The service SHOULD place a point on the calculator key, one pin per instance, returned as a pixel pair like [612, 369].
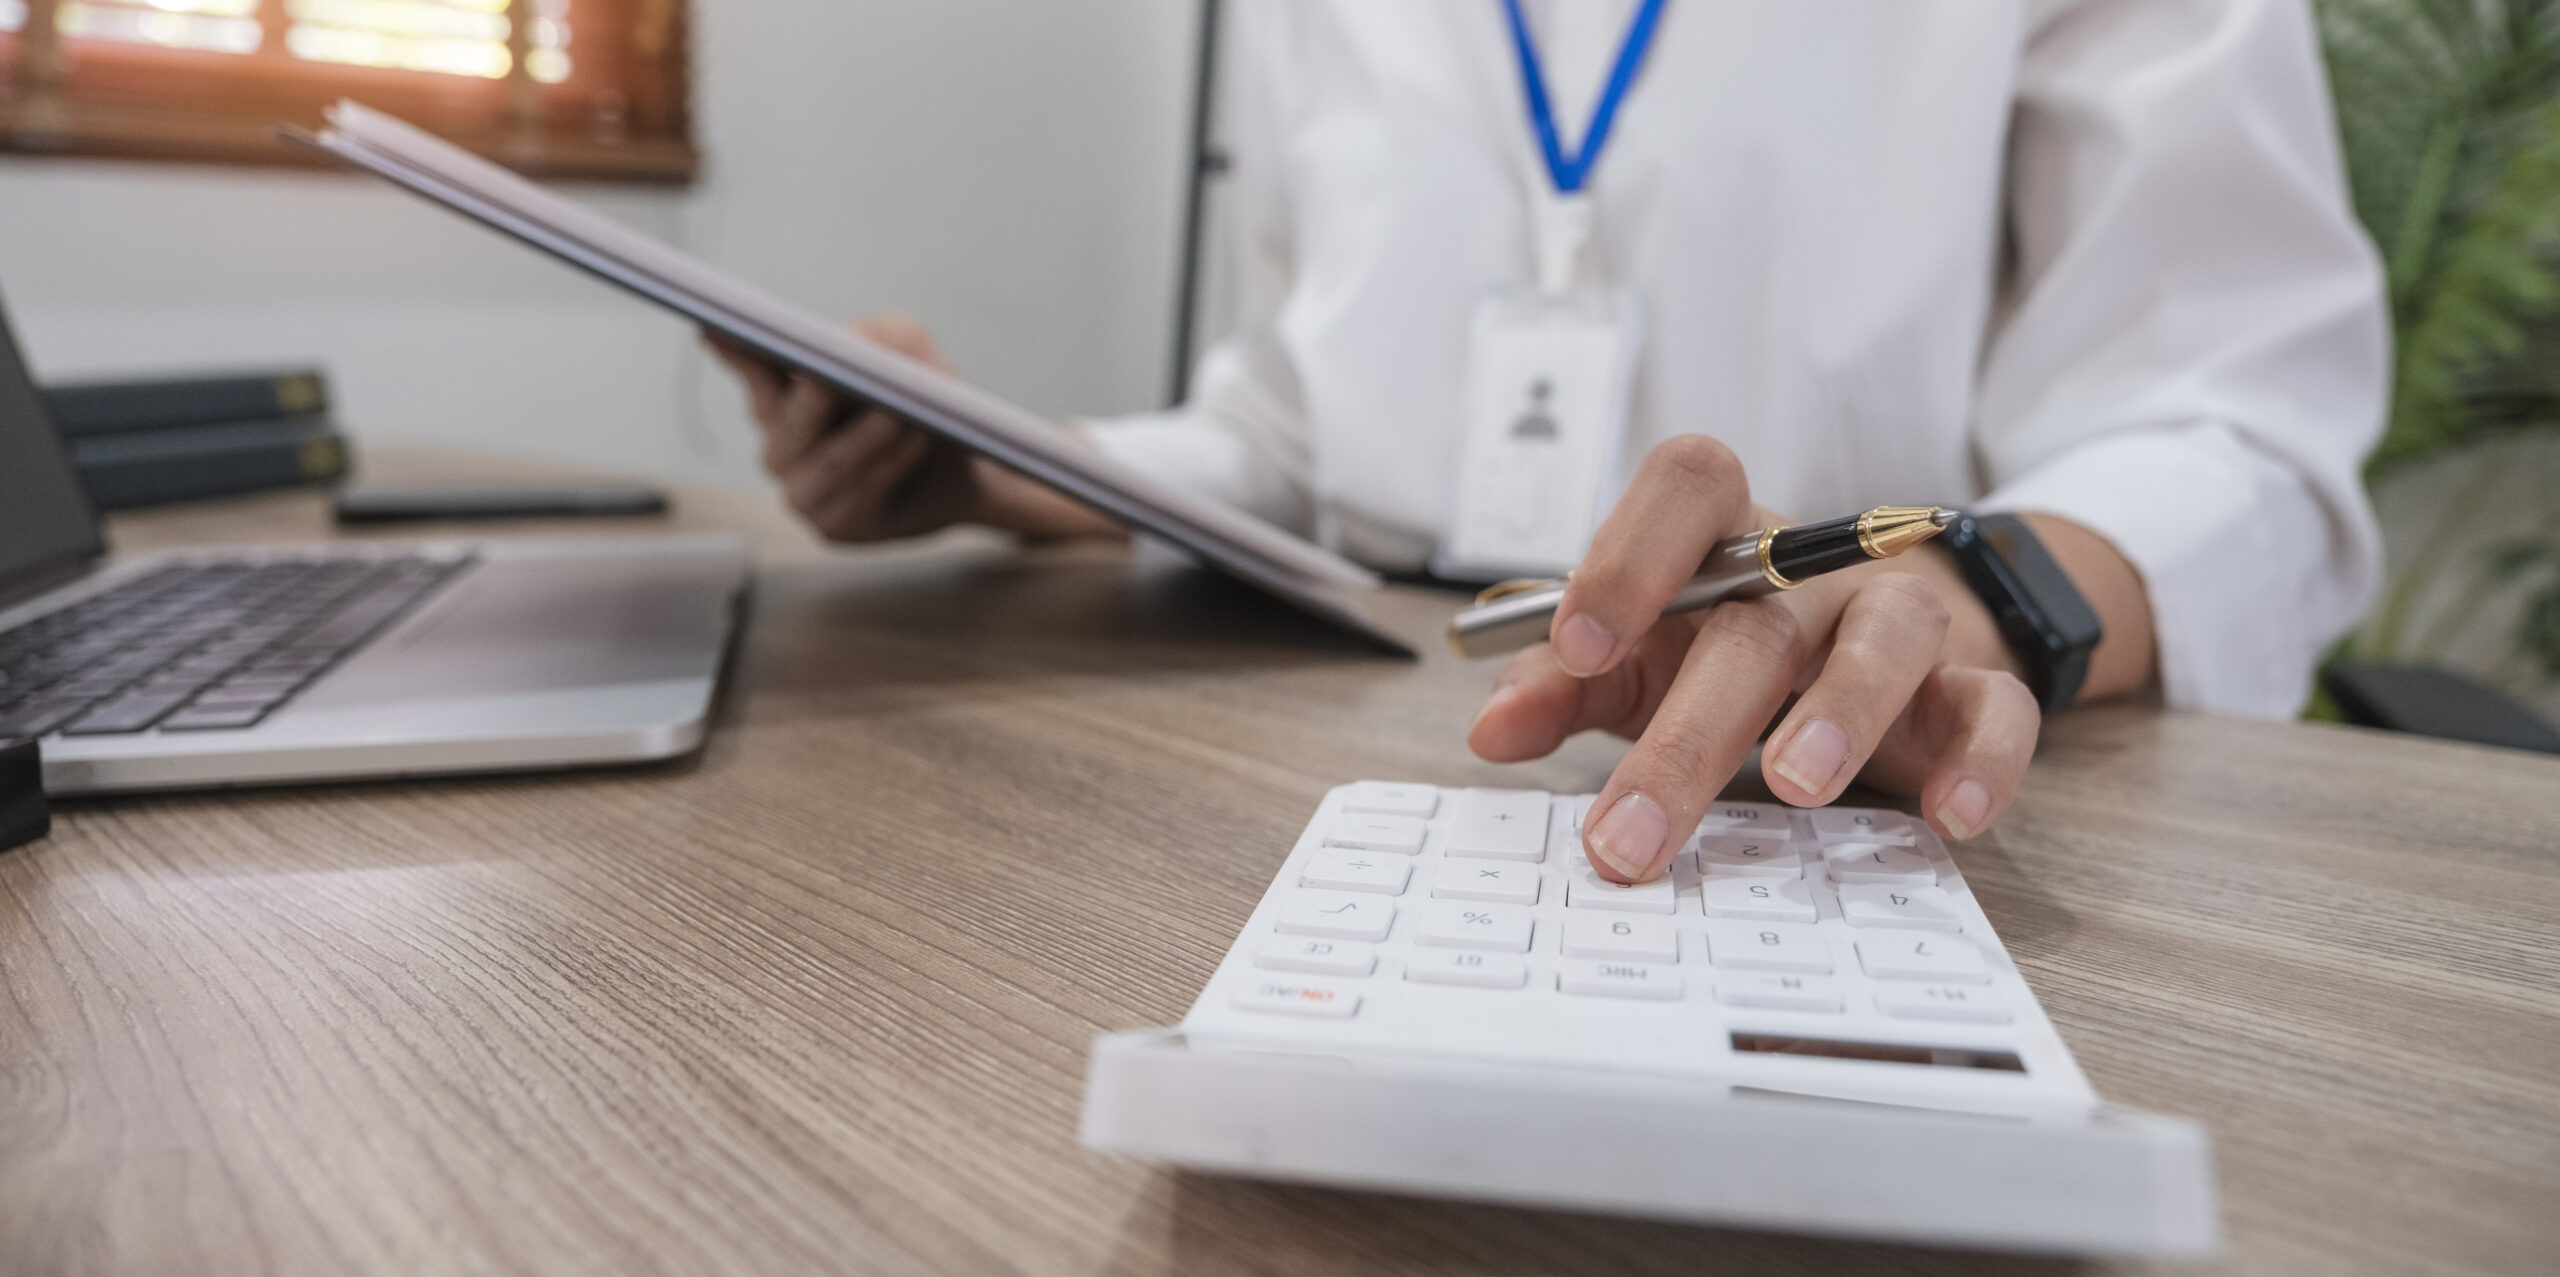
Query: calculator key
[1872, 904]
[1860, 824]
[1760, 899]
[1400, 834]
[1618, 980]
[1317, 957]
[1297, 999]
[1338, 914]
[1768, 946]
[1879, 862]
[1765, 821]
[1451, 924]
[1922, 955]
[1752, 857]
[1778, 991]
[1586, 889]
[1499, 824]
[1971, 1003]
[1380, 798]
[1627, 937]
[1480, 970]
[1478, 880]
[1376, 872]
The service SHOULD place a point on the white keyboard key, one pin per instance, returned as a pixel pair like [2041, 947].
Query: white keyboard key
[1297, 999]
[1780, 992]
[1879, 862]
[1625, 937]
[1759, 899]
[1755, 857]
[1399, 834]
[1479, 970]
[1481, 880]
[1766, 821]
[1376, 872]
[1862, 824]
[1870, 904]
[1499, 824]
[1381, 798]
[1337, 914]
[1768, 946]
[1618, 980]
[1586, 889]
[1451, 924]
[1317, 957]
[1971, 1003]
[1922, 955]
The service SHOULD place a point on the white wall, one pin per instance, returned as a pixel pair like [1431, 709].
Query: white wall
[1008, 170]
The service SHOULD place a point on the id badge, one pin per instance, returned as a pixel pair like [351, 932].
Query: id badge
[1548, 383]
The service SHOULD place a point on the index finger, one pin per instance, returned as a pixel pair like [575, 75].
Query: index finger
[1736, 674]
[1687, 495]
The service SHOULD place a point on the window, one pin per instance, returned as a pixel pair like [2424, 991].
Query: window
[585, 88]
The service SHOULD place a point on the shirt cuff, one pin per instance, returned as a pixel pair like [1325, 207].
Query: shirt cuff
[1184, 451]
[2248, 580]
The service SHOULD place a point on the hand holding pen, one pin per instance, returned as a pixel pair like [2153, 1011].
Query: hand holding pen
[1880, 687]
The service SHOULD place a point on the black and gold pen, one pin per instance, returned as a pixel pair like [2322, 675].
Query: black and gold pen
[1515, 614]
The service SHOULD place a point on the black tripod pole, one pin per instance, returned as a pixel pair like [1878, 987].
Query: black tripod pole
[1204, 164]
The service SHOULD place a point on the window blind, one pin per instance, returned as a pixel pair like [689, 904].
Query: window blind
[575, 87]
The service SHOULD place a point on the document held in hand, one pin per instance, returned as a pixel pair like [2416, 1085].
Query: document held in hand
[1305, 575]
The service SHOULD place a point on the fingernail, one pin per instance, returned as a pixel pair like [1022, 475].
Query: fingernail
[1582, 645]
[1500, 694]
[1965, 808]
[1629, 838]
[1814, 756]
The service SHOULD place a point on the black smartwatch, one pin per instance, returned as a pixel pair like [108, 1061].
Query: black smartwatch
[2041, 613]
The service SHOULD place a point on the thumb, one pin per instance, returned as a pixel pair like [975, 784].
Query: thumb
[904, 334]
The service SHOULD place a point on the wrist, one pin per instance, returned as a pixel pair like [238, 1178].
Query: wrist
[1031, 509]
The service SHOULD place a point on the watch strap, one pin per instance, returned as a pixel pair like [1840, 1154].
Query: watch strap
[2043, 617]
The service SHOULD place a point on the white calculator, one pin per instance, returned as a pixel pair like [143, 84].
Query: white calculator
[1807, 1025]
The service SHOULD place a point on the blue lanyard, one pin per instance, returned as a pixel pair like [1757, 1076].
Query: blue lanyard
[1571, 172]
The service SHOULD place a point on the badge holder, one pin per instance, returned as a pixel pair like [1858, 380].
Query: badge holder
[1550, 372]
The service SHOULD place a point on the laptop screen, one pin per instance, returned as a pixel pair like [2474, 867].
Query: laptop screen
[46, 529]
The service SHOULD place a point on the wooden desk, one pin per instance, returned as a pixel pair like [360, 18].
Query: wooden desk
[819, 999]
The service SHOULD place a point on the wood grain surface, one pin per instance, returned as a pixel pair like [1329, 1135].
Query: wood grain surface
[818, 999]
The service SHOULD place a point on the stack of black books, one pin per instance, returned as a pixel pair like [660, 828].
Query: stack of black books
[146, 442]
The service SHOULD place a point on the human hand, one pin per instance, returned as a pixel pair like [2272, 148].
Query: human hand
[858, 472]
[1896, 674]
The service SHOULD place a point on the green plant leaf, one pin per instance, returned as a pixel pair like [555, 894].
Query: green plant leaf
[2507, 560]
[2538, 630]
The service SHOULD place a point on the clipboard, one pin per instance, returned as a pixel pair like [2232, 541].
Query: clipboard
[1306, 576]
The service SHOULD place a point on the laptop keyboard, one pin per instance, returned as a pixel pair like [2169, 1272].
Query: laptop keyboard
[209, 645]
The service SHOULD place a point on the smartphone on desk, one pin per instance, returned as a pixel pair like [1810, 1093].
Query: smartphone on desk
[423, 504]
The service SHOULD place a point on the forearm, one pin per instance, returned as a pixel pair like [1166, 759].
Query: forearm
[1033, 509]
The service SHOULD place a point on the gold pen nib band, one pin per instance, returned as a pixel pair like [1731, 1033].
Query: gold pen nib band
[1889, 530]
[1769, 537]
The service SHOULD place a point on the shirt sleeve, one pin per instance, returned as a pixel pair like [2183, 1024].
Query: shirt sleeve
[2191, 350]
[1242, 435]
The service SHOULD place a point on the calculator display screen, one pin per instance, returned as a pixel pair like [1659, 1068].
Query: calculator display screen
[1878, 1052]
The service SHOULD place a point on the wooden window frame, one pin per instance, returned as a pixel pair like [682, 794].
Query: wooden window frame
[623, 113]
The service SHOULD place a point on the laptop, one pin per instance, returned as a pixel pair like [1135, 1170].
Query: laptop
[287, 664]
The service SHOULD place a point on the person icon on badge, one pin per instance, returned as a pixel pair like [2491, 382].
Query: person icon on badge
[1536, 425]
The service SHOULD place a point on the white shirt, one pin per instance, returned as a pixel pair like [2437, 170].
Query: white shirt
[2088, 257]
